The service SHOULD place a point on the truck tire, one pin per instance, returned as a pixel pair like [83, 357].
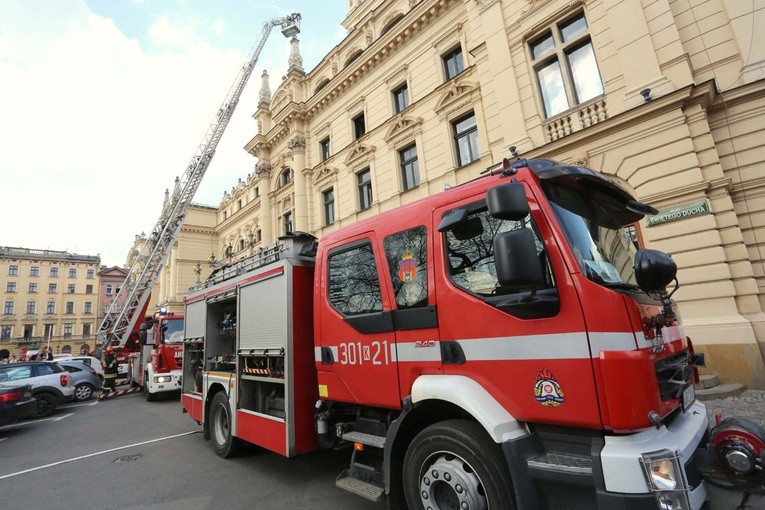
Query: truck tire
[46, 404]
[150, 397]
[224, 444]
[455, 464]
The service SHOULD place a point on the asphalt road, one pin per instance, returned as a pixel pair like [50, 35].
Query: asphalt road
[125, 453]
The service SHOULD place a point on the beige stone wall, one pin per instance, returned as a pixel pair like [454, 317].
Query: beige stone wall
[698, 137]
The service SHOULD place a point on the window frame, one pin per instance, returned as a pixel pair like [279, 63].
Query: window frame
[32, 288]
[53, 272]
[459, 65]
[72, 272]
[362, 186]
[560, 52]
[287, 223]
[325, 149]
[359, 124]
[9, 307]
[401, 98]
[328, 205]
[466, 134]
[348, 247]
[31, 308]
[407, 164]
[10, 287]
[13, 270]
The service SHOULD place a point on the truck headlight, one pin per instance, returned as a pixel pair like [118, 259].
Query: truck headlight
[162, 378]
[664, 476]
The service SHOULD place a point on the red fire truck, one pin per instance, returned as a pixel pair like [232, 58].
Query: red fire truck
[498, 345]
[156, 363]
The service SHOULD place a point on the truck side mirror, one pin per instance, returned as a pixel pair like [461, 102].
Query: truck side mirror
[508, 201]
[515, 257]
[654, 270]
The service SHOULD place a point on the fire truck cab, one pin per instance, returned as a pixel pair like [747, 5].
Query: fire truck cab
[156, 365]
[501, 344]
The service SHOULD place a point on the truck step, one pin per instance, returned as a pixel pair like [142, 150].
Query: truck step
[367, 439]
[360, 488]
[561, 462]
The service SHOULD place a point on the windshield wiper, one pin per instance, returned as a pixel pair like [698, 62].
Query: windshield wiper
[620, 285]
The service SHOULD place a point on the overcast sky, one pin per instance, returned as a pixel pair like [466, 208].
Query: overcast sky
[104, 102]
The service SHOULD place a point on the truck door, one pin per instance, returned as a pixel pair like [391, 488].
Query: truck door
[356, 331]
[408, 254]
[527, 347]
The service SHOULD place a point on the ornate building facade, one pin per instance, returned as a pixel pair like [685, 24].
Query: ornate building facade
[49, 298]
[665, 96]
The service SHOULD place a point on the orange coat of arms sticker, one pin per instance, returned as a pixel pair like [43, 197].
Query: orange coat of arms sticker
[547, 391]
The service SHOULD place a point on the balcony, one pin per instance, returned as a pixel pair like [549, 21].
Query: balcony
[581, 117]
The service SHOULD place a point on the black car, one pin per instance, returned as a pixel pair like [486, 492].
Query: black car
[16, 403]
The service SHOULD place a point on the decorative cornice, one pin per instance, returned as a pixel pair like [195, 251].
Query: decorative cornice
[403, 127]
[358, 151]
[484, 4]
[323, 174]
[263, 171]
[454, 93]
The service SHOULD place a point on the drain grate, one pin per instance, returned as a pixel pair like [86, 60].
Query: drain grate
[128, 458]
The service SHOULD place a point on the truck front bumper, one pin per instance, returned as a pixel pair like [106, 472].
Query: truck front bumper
[169, 381]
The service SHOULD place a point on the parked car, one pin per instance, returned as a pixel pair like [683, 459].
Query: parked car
[92, 362]
[49, 382]
[16, 402]
[84, 378]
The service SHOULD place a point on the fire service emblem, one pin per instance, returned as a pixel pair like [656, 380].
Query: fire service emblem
[407, 267]
[547, 391]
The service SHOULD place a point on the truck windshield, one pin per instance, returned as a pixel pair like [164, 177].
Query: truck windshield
[173, 331]
[603, 248]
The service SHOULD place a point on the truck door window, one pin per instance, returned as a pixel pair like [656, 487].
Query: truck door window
[470, 253]
[406, 253]
[354, 286]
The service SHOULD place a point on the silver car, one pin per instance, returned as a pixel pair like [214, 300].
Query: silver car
[84, 378]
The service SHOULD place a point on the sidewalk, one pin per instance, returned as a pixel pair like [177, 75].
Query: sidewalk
[750, 404]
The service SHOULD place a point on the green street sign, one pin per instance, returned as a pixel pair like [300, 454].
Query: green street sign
[679, 213]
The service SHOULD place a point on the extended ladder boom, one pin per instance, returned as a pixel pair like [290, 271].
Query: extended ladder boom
[127, 307]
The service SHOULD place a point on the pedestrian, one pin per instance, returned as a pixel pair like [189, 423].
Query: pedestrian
[13, 359]
[110, 370]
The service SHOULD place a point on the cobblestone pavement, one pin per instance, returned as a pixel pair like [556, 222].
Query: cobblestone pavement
[750, 404]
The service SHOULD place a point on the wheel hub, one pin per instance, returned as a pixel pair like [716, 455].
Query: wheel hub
[450, 483]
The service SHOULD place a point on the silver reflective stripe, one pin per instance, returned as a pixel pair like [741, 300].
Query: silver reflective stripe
[317, 353]
[611, 342]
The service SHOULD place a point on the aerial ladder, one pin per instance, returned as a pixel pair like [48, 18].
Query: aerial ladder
[130, 303]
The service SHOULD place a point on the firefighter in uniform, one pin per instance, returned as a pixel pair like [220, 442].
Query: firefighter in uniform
[110, 370]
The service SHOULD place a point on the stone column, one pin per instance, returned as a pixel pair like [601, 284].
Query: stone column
[297, 147]
[263, 171]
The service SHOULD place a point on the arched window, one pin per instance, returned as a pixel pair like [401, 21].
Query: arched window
[353, 57]
[67, 349]
[241, 244]
[286, 177]
[391, 24]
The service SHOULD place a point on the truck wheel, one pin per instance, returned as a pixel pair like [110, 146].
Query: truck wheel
[224, 444]
[150, 397]
[454, 464]
[46, 404]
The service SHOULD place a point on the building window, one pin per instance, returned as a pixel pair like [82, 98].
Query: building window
[286, 177]
[70, 288]
[89, 289]
[454, 64]
[329, 206]
[10, 287]
[50, 309]
[91, 273]
[324, 145]
[225, 215]
[466, 139]
[32, 288]
[34, 271]
[108, 289]
[258, 236]
[287, 222]
[72, 273]
[6, 332]
[256, 192]
[8, 309]
[239, 204]
[241, 244]
[85, 329]
[401, 98]
[54, 272]
[117, 289]
[13, 270]
[359, 126]
[31, 308]
[88, 307]
[565, 65]
[364, 180]
[52, 288]
[68, 327]
[410, 170]
[69, 307]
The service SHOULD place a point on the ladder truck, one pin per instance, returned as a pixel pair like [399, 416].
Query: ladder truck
[122, 324]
